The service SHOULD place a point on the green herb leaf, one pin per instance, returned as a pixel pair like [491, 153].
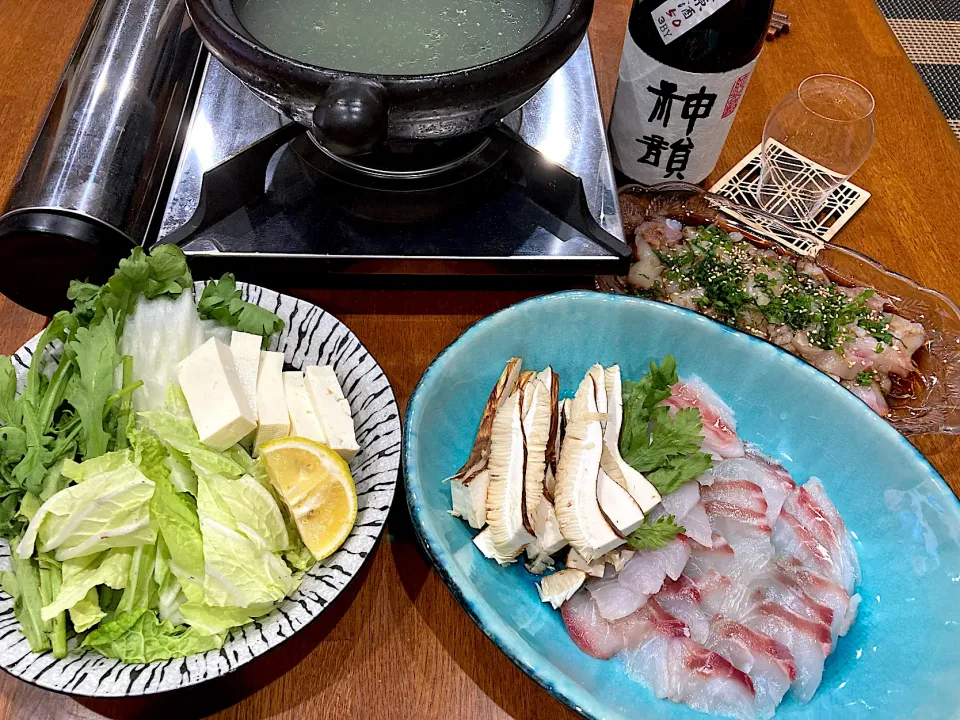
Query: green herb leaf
[865, 378]
[678, 470]
[665, 448]
[8, 392]
[651, 536]
[221, 301]
[96, 352]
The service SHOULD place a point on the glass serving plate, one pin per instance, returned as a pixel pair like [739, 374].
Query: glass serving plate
[930, 401]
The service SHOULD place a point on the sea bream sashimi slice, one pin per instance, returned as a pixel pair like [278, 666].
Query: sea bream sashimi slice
[804, 530]
[771, 466]
[675, 667]
[646, 571]
[808, 641]
[820, 590]
[719, 427]
[738, 512]
[688, 512]
[682, 599]
[774, 485]
[613, 598]
[718, 555]
[618, 594]
[769, 663]
[851, 562]
[595, 635]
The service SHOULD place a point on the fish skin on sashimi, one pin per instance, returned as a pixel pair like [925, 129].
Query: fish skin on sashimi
[719, 431]
[675, 667]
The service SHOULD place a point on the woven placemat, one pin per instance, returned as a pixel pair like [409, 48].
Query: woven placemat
[929, 31]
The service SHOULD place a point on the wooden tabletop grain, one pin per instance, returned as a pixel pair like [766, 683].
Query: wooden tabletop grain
[397, 646]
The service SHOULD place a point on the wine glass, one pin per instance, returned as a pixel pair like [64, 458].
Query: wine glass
[813, 141]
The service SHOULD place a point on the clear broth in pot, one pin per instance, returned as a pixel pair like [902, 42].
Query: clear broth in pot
[394, 37]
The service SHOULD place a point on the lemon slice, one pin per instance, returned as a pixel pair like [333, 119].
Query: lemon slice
[317, 487]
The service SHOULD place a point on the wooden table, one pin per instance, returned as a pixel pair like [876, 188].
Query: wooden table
[399, 646]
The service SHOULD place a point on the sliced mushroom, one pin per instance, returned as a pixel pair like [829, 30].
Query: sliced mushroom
[618, 506]
[578, 511]
[470, 499]
[506, 466]
[469, 502]
[538, 412]
[559, 587]
[484, 542]
[549, 539]
[639, 488]
[576, 561]
[618, 558]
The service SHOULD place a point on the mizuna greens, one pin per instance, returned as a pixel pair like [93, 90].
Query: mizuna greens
[126, 533]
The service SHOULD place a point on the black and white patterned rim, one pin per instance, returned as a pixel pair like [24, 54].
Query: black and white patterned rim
[310, 336]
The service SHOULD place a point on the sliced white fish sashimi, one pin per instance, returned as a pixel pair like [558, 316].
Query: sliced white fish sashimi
[696, 525]
[772, 480]
[676, 667]
[828, 510]
[646, 571]
[821, 590]
[719, 428]
[614, 599]
[810, 529]
[682, 599]
[768, 662]
[680, 502]
[808, 642]
[684, 504]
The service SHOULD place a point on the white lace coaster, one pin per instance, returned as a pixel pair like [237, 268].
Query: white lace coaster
[741, 183]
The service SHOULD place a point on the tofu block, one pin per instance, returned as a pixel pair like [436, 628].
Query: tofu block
[303, 417]
[246, 357]
[273, 418]
[333, 410]
[209, 380]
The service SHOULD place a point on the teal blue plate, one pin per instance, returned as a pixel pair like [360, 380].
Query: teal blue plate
[902, 657]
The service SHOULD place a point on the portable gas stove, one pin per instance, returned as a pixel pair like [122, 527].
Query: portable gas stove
[253, 193]
[150, 140]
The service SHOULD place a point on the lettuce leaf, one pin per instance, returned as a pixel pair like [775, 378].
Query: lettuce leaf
[23, 585]
[80, 575]
[170, 593]
[78, 472]
[106, 510]
[86, 612]
[239, 570]
[181, 435]
[140, 590]
[213, 621]
[55, 624]
[179, 528]
[142, 638]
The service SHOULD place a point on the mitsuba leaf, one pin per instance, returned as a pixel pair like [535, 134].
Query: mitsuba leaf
[221, 301]
[651, 536]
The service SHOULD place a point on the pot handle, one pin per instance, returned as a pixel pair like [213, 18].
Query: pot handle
[352, 117]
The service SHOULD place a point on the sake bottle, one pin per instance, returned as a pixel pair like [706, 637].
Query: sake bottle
[683, 73]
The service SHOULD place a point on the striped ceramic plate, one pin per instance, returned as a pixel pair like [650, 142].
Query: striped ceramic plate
[310, 336]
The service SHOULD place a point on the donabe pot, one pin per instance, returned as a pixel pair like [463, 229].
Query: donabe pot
[352, 113]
